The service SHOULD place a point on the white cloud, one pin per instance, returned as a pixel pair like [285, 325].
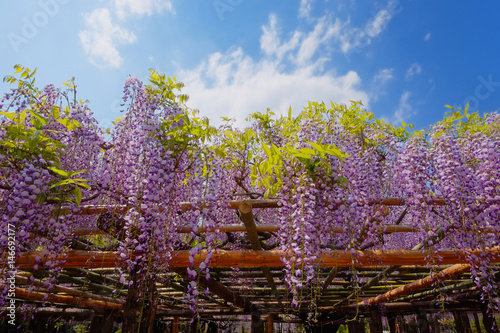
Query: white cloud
[100, 39]
[358, 37]
[234, 85]
[125, 8]
[427, 37]
[379, 82]
[378, 24]
[322, 33]
[404, 110]
[305, 8]
[270, 42]
[414, 69]
[383, 76]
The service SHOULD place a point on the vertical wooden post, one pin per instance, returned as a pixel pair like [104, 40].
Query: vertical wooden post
[257, 324]
[270, 324]
[458, 322]
[375, 320]
[489, 321]
[103, 324]
[356, 326]
[412, 325]
[401, 324]
[391, 320]
[436, 326]
[175, 325]
[193, 327]
[466, 322]
[477, 323]
[422, 322]
[141, 302]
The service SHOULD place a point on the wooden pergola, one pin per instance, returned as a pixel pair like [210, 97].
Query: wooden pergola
[395, 284]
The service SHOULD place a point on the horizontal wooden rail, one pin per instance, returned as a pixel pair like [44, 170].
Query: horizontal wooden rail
[66, 299]
[231, 204]
[386, 229]
[220, 258]
[66, 290]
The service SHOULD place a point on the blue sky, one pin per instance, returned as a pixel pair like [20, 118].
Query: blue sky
[403, 59]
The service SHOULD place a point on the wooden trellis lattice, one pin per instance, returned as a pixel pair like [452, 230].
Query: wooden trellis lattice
[94, 289]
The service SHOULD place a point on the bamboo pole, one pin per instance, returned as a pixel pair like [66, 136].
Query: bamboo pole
[439, 236]
[445, 274]
[70, 291]
[73, 300]
[386, 229]
[222, 258]
[231, 204]
[222, 291]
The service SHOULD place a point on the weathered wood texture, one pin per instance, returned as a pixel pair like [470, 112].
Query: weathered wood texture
[445, 274]
[78, 259]
[63, 299]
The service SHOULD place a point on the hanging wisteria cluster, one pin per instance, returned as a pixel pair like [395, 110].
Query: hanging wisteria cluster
[330, 167]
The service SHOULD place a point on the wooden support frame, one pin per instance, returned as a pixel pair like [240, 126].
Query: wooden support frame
[377, 264]
[246, 216]
[221, 258]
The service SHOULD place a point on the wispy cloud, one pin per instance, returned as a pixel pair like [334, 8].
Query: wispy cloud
[358, 37]
[427, 37]
[270, 41]
[414, 70]
[305, 8]
[322, 33]
[127, 8]
[380, 81]
[404, 110]
[101, 38]
[234, 84]
[383, 76]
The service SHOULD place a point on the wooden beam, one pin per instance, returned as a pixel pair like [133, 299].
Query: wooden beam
[222, 258]
[69, 291]
[246, 216]
[45, 312]
[221, 290]
[386, 229]
[331, 275]
[428, 281]
[63, 299]
[232, 204]
[382, 275]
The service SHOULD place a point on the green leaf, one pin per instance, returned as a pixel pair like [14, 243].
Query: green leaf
[316, 146]
[18, 69]
[309, 151]
[302, 155]
[56, 112]
[11, 115]
[267, 150]
[450, 107]
[78, 195]
[59, 171]
[71, 174]
[83, 185]
[39, 117]
[63, 182]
